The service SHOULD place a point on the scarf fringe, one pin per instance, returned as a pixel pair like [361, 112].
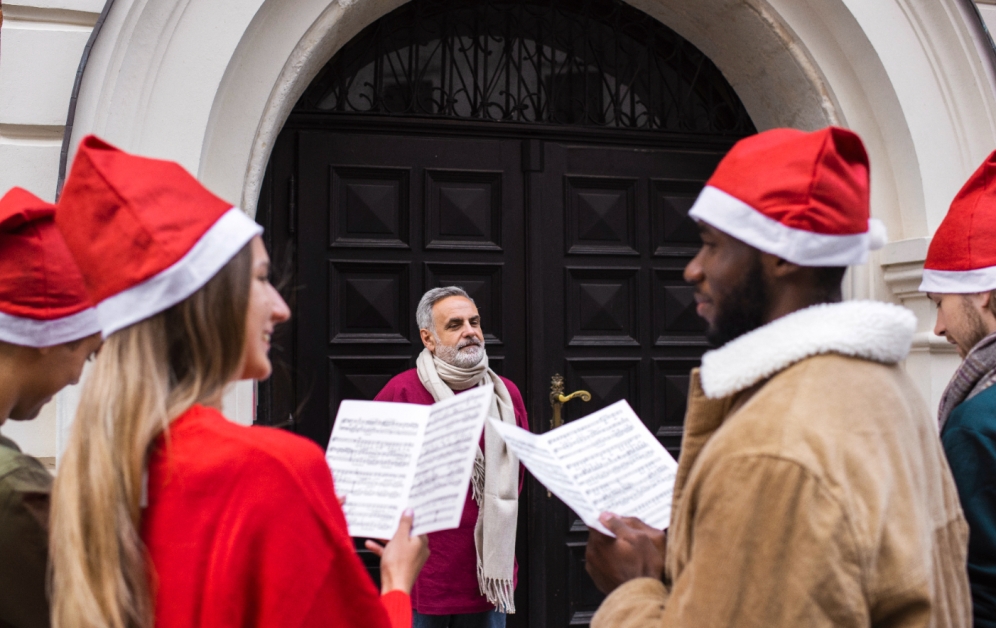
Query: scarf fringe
[500, 593]
[477, 480]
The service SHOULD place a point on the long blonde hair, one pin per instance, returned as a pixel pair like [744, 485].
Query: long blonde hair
[145, 376]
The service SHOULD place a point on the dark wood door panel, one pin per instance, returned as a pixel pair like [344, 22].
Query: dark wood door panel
[576, 266]
[601, 215]
[463, 209]
[619, 320]
[383, 218]
[369, 207]
[673, 232]
[602, 306]
[378, 220]
[369, 303]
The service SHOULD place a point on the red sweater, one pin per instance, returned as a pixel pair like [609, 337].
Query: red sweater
[243, 529]
[447, 584]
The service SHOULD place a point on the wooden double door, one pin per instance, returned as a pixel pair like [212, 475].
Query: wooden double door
[573, 251]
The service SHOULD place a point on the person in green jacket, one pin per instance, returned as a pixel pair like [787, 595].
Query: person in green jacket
[960, 278]
[47, 332]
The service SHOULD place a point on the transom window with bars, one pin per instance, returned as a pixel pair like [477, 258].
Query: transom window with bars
[583, 62]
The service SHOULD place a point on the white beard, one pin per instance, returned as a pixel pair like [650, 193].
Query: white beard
[466, 357]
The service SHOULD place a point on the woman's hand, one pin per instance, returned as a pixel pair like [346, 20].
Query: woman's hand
[402, 558]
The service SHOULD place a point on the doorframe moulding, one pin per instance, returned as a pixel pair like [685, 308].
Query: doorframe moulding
[210, 83]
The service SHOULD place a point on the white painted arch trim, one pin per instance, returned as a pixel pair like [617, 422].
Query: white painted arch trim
[958, 281]
[209, 83]
[217, 246]
[805, 248]
[30, 332]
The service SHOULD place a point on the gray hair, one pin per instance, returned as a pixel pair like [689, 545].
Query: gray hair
[423, 313]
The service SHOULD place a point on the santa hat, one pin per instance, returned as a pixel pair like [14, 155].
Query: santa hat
[800, 196]
[144, 232]
[42, 298]
[962, 255]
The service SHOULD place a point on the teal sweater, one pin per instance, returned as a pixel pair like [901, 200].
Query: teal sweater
[969, 439]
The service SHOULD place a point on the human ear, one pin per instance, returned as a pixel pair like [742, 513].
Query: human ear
[427, 339]
[984, 302]
[777, 267]
[979, 301]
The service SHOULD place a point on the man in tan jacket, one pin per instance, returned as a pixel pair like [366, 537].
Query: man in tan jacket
[812, 489]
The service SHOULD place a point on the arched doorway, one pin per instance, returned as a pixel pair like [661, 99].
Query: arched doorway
[542, 154]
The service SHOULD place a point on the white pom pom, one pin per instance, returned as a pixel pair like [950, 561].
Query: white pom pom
[877, 234]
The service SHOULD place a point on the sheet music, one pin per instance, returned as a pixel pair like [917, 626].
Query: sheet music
[607, 461]
[534, 452]
[386, 457]
[446, 460]
[372, 454]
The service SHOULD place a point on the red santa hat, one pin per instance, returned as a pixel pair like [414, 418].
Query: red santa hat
[144, 232]
[42, 298]
[801, 196]
[961, 258]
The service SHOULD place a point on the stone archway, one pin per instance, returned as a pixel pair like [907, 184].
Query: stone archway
[209, 83]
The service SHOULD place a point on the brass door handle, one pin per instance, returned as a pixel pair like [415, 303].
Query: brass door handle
[583, 394]
[558, 399]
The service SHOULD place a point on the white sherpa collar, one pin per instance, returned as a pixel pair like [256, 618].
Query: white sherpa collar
[871, 330]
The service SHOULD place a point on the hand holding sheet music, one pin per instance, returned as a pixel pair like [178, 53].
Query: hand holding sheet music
[386, 457]
[606, 462]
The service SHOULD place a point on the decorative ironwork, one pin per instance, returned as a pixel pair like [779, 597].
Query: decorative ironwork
[568, 62]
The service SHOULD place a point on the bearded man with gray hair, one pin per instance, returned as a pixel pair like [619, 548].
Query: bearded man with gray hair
[469, 579]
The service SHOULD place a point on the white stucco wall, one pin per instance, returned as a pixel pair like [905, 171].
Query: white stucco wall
[209, 83]
[40, 46]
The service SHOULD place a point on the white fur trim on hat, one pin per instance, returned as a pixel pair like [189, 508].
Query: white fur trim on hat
[731, 215]
[958, 281]
[217, 246]
[30, 332]
[870, 330]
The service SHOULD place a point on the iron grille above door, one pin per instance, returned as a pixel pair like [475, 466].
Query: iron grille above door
[595, 63]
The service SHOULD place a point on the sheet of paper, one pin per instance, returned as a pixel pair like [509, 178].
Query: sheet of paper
[446, 460]
[372, 453]
[534, 452]
[610, 458]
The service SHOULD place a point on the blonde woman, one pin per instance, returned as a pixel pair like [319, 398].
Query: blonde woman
[164, 512]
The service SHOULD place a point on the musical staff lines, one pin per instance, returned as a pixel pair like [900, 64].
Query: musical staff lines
[386, 457]
[607, 461]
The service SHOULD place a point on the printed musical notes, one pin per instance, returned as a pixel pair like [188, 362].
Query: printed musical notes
[386, 457]
[606, 462]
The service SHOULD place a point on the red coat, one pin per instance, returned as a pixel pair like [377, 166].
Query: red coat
[447, 584]
[243, 529]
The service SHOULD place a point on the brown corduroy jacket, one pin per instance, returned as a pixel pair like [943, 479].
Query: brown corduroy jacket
[812, 489]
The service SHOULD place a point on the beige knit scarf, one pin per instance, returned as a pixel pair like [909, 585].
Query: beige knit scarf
[495, 480]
